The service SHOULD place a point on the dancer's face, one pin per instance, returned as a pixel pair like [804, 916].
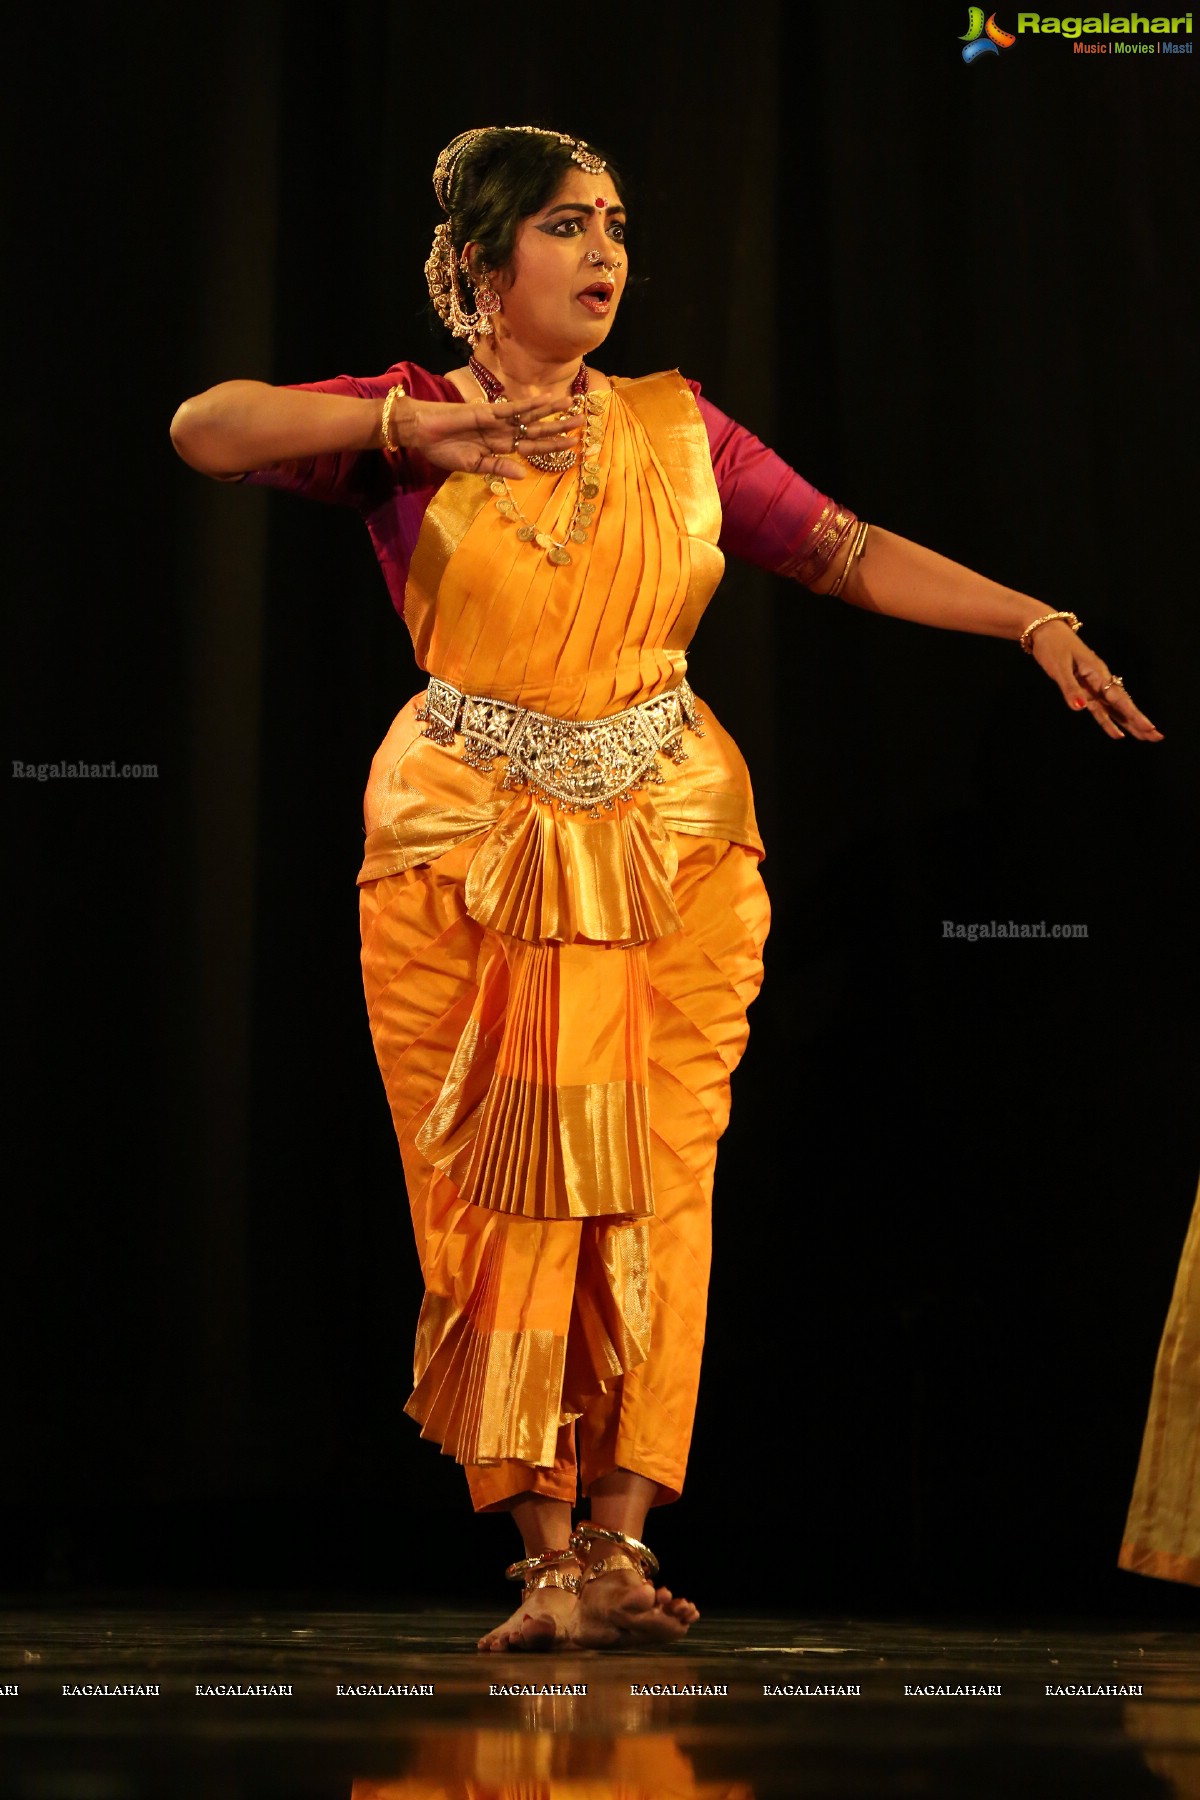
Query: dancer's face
[558, 298]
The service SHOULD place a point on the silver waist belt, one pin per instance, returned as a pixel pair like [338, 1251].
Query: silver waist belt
[584, 764]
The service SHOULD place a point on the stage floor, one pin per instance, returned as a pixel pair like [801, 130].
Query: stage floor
[802, 1708]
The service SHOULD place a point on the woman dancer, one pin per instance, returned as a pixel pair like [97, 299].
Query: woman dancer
[562, 916]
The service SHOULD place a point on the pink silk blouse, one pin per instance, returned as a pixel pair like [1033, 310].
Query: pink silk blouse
[768, 511]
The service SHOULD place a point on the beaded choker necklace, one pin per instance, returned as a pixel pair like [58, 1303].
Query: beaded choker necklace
[555, 462]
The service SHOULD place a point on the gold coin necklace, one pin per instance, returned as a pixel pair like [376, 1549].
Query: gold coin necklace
[587, 490]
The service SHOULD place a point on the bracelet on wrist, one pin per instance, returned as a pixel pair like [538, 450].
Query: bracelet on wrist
[1068, 618]
[385, 424]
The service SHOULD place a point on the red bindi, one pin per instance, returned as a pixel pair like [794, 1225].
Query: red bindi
[601, 203]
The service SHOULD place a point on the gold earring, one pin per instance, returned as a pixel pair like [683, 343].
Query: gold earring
[487, 300]
[444, 272]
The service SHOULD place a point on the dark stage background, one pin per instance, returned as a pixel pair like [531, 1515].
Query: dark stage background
[951, 1202]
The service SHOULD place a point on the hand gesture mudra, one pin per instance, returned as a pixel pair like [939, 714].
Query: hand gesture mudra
[1087, 682]
[487, 439]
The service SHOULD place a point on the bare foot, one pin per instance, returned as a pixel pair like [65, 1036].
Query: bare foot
[543, 1622]
[618, 1609]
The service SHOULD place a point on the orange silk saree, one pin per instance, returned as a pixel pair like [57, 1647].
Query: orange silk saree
[1162, 1531]
[557, 1000]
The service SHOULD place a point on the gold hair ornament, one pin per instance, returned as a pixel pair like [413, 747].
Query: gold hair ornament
[443, 171]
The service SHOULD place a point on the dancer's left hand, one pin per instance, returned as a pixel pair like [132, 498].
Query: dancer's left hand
[1087, 683]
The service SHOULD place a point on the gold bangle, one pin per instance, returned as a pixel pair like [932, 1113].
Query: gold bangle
[857, 545]
[1045, 619]
[390, 449]
[822, 545]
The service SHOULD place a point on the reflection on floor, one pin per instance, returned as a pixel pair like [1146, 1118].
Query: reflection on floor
[181, 1703]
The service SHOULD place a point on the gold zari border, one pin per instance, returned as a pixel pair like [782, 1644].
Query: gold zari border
[825, 538]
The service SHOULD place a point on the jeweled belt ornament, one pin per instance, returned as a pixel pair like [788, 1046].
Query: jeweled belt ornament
[584, 764]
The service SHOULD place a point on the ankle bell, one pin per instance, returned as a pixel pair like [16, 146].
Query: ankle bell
[625, 1553]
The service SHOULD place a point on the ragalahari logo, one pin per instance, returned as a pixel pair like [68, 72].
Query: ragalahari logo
[983, 39]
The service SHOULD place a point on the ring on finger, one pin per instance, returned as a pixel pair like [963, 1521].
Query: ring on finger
[1113, 681]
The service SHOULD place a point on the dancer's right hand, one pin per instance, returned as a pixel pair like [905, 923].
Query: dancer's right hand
[484, 439]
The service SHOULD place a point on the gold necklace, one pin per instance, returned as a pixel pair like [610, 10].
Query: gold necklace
[587, 491]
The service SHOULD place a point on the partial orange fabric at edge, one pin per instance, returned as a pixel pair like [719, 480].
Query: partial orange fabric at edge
[1160, 1564]
[1162, 1532]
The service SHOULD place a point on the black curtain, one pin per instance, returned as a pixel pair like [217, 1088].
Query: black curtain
[949, 1207]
